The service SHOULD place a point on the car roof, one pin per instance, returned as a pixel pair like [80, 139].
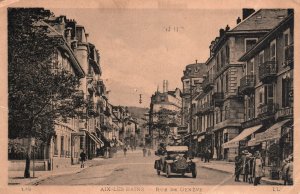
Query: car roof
[177, 148]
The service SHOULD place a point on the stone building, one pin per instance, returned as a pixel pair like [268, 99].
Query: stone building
[165, 109]
[221, 106]
[267, 86]
[191, 80]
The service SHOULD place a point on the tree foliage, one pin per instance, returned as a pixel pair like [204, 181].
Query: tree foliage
[37, 94]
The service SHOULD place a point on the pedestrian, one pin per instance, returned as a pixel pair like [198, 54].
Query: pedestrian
[144, 151]
[125, 150]
[289, 171]
[82, 159]
[245, 165]
[250, 165]
[208, 155]
[237, 169]
[284, 170]
[149, 152]
[257, 168]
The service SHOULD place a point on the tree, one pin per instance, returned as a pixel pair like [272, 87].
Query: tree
[38, 95]
[166, 119]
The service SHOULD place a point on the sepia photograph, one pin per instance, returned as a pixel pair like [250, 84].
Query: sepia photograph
[128, 97]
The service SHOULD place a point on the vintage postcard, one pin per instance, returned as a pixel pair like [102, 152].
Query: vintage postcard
[149, 96]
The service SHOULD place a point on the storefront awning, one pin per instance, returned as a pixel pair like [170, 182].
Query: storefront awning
[93, 137]
[234, 143]
[274, 132]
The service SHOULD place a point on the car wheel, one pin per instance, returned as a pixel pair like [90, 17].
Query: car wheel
[194, 171]
[168, 170]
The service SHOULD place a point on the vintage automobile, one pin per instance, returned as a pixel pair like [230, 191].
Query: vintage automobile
[176, 160]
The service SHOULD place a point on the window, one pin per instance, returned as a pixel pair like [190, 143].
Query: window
[227, 54]
[269, 94]
[287, 92]
[226, 86]
[249, 43]
[261, 93]
[250, 67]
[261, 58]
[273, 51]
[287, 42]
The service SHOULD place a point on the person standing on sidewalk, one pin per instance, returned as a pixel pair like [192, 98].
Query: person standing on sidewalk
[284, 171]
[82, 159]
[125, 150]
[257, 168]
[250, 165]
[290, 171]
[238, 167]
[144, 151]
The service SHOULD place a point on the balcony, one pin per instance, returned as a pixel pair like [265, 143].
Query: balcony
[208, 84]
[92, 108]
[218, 98]
[267, 72]
[268, 110]
[289, 56]
[287, 112]
[247, 84]
[250, 123]
[207, 107]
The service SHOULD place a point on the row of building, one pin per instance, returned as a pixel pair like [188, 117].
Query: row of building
[104, 127]
[242, 96]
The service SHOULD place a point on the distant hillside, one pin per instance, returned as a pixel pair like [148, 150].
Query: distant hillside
[138, 112]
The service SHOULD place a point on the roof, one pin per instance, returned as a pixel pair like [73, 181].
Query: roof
[263, 19]
[195, 70]
[270, 35]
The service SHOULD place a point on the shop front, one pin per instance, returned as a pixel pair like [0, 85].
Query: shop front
[271, 149]
[233, 147]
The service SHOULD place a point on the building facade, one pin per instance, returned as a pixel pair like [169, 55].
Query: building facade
[267, 86]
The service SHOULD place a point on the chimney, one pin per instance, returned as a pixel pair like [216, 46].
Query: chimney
[222, 32]
[164, 86]
[227, 28]
[167, 85]
[238, 20]
[247, 12]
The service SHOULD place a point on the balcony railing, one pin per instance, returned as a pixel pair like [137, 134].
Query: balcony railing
[207, 107]
[289, 56]
[92, 107]
[267, 71]
[247, 84]
[286, 112]
[208, 83]
[267, 110]
[218, 98]
[250, 123]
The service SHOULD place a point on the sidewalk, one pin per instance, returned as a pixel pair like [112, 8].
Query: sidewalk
[17, 177]
[228, 167]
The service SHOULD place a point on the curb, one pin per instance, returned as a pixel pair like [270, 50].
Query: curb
[219, 170]
[39, 179]
[267, 181]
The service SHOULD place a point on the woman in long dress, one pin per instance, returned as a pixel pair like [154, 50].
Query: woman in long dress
[257, 168]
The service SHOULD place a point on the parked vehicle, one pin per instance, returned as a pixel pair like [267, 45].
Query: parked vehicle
[176, 160]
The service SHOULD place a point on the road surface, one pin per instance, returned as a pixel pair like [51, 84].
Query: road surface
[137, 170]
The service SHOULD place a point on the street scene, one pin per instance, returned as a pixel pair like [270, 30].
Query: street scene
[150, 97]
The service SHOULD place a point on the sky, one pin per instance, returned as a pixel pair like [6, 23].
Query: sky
[139, 48]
